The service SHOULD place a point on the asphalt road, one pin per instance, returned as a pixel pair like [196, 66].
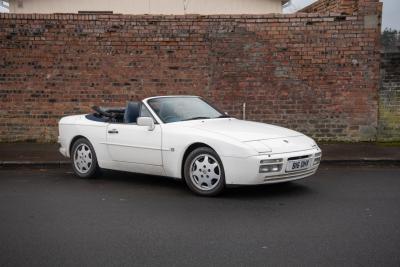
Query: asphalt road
[342, 216]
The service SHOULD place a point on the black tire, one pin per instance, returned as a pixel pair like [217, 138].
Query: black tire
[88, 170]
[194, 183]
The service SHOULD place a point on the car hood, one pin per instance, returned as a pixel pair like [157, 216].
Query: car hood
[243, 130]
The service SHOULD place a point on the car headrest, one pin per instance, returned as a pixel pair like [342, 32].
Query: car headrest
[132, 111]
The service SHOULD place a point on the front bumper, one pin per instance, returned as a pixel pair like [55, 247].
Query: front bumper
[62, 148]
[245, 171]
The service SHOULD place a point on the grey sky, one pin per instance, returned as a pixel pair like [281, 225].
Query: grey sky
[391, 11]
[2, 9]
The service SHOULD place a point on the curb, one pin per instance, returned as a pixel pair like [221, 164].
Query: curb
[363, 161]
[27, 163]
[63, 163]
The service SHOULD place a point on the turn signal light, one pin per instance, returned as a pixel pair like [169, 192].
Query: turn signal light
[271, 161]
[317, 158]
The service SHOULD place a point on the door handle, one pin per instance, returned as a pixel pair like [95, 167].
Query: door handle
[113, 131]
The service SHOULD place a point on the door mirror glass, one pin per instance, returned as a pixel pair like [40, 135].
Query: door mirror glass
[146, 121]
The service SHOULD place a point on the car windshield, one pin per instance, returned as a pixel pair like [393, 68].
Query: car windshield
[173, 109]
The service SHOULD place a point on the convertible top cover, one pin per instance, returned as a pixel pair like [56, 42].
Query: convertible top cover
[107, 114]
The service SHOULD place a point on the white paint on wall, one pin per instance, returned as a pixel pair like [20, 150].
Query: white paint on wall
[176, 7]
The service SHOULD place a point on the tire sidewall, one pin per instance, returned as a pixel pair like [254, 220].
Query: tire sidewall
[93, 168]
[221, 184]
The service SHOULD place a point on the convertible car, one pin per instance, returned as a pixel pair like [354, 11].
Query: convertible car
[187, 138]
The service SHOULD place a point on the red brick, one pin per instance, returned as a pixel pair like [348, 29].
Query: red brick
[294, 70]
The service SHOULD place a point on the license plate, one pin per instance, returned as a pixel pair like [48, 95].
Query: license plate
[299, 164]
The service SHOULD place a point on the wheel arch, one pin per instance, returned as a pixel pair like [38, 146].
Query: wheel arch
[188, 150]
[73, 140]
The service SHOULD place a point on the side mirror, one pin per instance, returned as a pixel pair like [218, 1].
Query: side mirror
[146, 121]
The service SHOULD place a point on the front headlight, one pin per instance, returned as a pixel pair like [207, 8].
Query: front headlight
[259, 146]
[313, 143]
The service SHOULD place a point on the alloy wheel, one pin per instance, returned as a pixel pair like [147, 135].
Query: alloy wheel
[83, 158]
[205, 172]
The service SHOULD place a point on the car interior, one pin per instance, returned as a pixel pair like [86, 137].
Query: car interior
[129, 114]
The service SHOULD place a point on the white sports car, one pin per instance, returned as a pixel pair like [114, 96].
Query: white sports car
[185, 137]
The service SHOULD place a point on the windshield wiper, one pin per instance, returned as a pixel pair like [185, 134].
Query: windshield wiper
[224, 116]
[202, 117]
[196, 118]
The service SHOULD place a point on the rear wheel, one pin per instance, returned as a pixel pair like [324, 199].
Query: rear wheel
[84, 160]
[204, 173]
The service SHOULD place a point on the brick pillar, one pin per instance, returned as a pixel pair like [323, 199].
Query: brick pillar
[347, 6]
[367, 7]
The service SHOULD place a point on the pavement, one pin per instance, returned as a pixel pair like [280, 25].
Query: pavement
[341, 216]
[16, 154]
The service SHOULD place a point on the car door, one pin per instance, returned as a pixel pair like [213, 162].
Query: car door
[134, 144]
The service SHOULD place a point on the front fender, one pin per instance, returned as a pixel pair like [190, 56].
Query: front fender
[176, 140]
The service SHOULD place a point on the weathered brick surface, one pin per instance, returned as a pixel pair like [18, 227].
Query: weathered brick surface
[389, 98]
[317, 73]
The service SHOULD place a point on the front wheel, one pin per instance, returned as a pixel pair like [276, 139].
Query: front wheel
[204, 173]
[84, 160]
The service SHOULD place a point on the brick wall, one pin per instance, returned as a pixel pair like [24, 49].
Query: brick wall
[316, 73]
[389, 98]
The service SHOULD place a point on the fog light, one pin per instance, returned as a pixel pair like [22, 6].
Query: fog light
[264, 168]
[270, 165]
[270, 168]
[275, 168]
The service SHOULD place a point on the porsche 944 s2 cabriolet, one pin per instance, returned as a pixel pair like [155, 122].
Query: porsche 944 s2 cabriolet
[185, 137]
